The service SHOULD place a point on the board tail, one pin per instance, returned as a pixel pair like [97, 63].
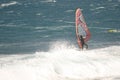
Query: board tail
[81, 27]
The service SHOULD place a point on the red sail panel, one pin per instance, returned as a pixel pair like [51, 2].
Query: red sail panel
[81, 27]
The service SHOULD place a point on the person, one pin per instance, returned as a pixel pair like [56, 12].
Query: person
[83, 42]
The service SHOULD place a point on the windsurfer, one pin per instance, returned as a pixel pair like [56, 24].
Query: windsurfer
[83, 42]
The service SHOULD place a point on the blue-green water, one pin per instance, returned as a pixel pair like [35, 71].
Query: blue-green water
[27, 25]
[38, 41]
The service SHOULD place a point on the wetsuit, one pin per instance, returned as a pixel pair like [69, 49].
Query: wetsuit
[83, 42]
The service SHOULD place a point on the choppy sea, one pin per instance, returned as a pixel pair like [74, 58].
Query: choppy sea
[38, 41]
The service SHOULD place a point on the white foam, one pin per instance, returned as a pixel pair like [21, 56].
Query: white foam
[68, 11]
[63, 62]
[97, 8]
[47, 1]
[9, 4]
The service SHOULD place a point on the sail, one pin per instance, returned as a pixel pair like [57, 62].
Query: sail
[81, 27]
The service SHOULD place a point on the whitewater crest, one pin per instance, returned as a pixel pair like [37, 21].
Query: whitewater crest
[69, 63]
[63, 61]
[8, 4]
[48, 1]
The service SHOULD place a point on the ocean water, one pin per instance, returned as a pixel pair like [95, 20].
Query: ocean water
[38, 41]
